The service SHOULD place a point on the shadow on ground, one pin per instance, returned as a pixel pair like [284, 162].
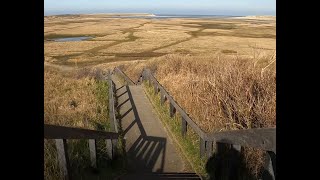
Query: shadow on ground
[227, 163]
[146, 150]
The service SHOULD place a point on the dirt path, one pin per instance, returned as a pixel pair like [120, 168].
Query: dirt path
[151, 152]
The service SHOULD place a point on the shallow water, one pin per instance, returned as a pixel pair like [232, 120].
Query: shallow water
[165, 16]
[71, 39]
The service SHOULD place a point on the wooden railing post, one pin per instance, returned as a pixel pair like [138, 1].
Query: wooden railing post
[202, 147]
[63, 158]
[161, 97]
[183, 127]
[209, 148]
[270, 169]
[236, 148]
[93, 153]
[155, 88]
[109, 148]
[172, 110]
[114, 147]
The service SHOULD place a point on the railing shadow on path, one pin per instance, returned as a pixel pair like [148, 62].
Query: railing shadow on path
[144, 153]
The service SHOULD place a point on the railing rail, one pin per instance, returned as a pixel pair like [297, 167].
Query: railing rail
[123, 75]
[60, 132]
[112, 116]
[260, 138]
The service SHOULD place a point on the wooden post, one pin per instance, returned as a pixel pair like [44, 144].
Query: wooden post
[183, 127]
[114, 147]
[270, 169]
[236, 147]
[155, 88]
[172, 110]
[109, 148]
[202, 147]
[209, 148]
[141, 79]
[93, 153]
[62, 150]
[161, 97]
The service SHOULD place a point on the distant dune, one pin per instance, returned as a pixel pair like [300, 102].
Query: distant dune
[257, 17]
[123, 14]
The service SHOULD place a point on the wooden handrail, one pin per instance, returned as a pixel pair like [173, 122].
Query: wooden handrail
[184, 115]
[61, 132]
[112, 116]
[261, 138]
[128, 80]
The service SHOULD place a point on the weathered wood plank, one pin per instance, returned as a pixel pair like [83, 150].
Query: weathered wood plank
[63, 158]
[60, 132]
[264, 138]
[183, 127]
[93, 152]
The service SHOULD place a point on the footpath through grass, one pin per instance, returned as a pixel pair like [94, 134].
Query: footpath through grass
[188, 146]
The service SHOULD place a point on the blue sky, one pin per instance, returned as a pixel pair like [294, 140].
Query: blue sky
[196, 7]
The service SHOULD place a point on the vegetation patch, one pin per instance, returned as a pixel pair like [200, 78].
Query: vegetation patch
[55, 36]
[217, 25]
[227, 51]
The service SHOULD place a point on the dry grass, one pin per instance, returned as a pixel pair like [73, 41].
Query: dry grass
[67, 48]
[139, 39]
[71, 99]
[74, 99]
[210, 44]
